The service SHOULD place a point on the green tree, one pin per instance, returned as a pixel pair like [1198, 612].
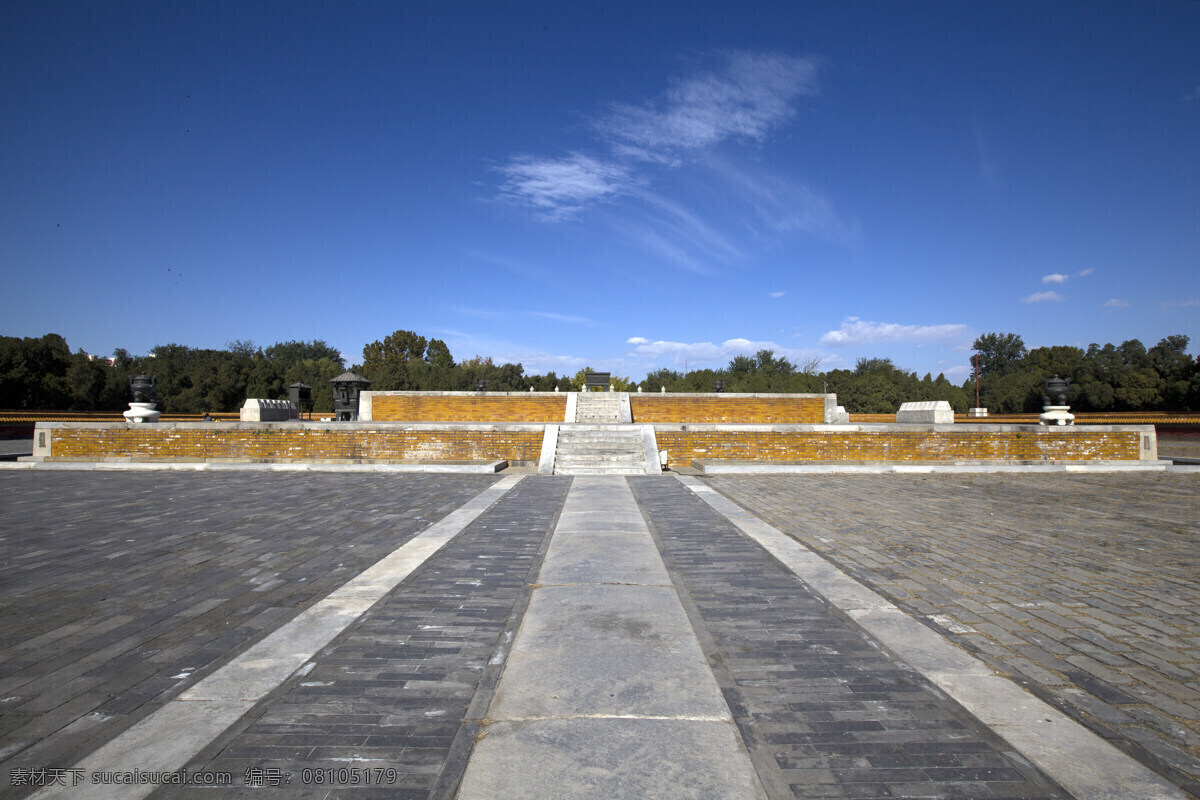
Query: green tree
[864, 366]
[661, 378]
[1174, 366]
[999, 353]
[766, 362]
[742, 365]
[86, 379]
[398, 348]
[438, 354]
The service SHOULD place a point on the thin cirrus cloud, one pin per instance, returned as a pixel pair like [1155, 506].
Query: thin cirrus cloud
[557, 188]
[743, 98]
[750, 95]
[500, 314]
[567, 318]
[855, 331]
[1043, 297]
[1115, 303]
[710, 352]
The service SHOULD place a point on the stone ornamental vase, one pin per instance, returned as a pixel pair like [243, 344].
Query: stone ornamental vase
[1055, 410]
[1054, 390]
[142, 409]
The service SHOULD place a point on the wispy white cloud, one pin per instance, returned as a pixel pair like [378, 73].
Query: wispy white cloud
[747, 96]
[988, 170]
[855, 331]
[1043, 297]
[783, 205]
[477, 313]
[778, 294]
[696, 354]
[673, 250]
[517, 266]
[743, 96]
[465, 344]
[559, 187]
[684, 225]
[1189, 303]
[562, 318]
[1083, 273]
[1055, 277]
[1115, 303]
[501, 314]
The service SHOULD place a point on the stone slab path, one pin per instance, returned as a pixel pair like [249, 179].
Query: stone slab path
[607, 693]
[547, 636]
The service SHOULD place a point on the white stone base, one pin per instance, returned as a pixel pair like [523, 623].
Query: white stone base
[142, 412]
[259, 410]
[1056, 415]
[937, 412]
[976, 412]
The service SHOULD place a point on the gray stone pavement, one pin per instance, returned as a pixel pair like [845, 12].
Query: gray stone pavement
[118, 590]
[392, 707]
[1082, 588]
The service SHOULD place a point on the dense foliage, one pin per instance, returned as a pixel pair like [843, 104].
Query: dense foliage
[1124, 377]
[43, 374]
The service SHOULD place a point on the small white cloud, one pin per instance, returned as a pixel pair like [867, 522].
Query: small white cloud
[1043, 297]
[778, 294]
[1189, 303]
[1055, 277]
[559, 187]
[857, 332]
[1116, 303]
[637, 340]
[1083, 273]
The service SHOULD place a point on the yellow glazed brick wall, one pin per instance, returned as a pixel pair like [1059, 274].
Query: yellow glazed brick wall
[684, 446]
[298, 445]
[728, 409]
[466, 408]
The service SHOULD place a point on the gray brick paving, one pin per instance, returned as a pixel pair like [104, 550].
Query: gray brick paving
[1080, 587]
[825, 712]
[119, 590]
[103, 618]
[395, 702]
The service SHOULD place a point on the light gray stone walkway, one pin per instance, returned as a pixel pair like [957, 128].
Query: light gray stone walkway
[1081, 588]
[606, 692]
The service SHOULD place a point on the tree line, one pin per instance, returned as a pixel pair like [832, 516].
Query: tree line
[43, 374]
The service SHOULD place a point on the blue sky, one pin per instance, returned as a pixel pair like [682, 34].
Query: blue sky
[622, 185]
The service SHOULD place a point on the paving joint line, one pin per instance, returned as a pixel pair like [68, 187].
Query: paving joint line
[475, 720]
[166, 740]
[1083, 763]
[759, 750]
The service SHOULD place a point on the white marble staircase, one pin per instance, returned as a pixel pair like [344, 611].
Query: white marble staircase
[598, 408]
[600, 441]
[600, 450]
